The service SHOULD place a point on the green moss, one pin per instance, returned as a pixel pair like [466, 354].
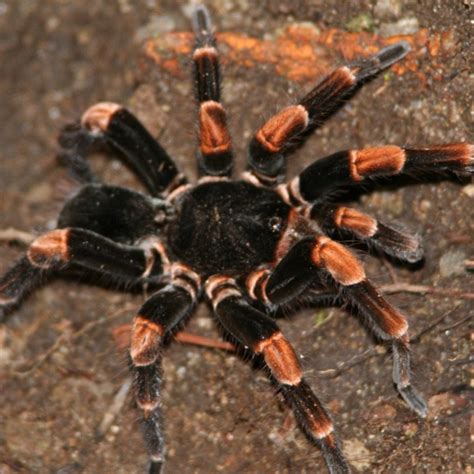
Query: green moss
[362, 22]
[320, 317]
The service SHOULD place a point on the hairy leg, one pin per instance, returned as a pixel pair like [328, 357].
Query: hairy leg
[162, 312]
[110, 124]
[261, 335]
[286, 130]
[319, 257]
[215, 149]
[63, 248]
[321, 179]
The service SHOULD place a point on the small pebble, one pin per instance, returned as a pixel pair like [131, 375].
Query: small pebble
[468, 190]
[405, 26]
[361, 458]
[157, 25]
[387, 8]
[452, 263]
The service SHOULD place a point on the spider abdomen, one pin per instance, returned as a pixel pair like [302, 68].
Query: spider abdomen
[228, 227]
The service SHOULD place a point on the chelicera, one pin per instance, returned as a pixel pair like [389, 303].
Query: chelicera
[248, 246]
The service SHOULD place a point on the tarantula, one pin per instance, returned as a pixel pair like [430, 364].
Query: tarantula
[249, 246]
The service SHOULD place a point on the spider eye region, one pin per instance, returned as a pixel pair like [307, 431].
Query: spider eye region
[276, 224]
[228, 227]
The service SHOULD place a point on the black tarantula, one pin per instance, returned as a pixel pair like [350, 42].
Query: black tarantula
[248, 246]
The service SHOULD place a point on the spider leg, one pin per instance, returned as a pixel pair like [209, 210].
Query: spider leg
[389, 238]
[62, 248]
[319, 256]
[113, 125]
[260, 333]
[286, 130]
[318, 294]
[157, 318]
[326, 175]
[76, 162]
[215, 149]
[16, 283]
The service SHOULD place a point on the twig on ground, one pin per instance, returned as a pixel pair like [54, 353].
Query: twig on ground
[348, 364]
[115, 408]
[458, 323]
[64, 338]
[430, 327]
[14, 235]
[423, 289]
[122, 335]
[218, 344]
[391, 271]
[197, 340]
[375, 351]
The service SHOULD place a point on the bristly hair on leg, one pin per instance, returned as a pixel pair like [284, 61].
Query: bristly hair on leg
[253, 247]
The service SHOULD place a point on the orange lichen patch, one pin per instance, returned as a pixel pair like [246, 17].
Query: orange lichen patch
[303, 53]
[145, 341]
[281, 359]
[50, 246]
[214, 136]
[244, 50]
[371, 161]
[356, 221]
[281, 127]
[173, 66]
[338, 261]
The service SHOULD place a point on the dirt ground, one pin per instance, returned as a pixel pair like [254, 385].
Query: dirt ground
[222, 415]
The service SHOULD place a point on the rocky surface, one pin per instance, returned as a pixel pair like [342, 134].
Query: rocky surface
[221, 414]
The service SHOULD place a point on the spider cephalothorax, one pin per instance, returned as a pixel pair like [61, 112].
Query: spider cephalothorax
[249, 245]
[228, 227]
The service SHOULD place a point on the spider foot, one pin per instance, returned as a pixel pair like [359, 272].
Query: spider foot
[401, 377]
[371, 66]
[317, 425]
[75, 138]
[414, 400]
[334, 458]
[76, 143]
[78, 167]
[16, 283]
[155, 467]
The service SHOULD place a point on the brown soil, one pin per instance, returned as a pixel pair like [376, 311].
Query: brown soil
[221, 414]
